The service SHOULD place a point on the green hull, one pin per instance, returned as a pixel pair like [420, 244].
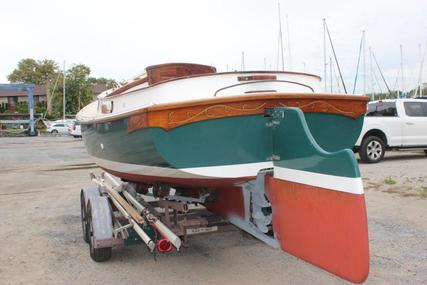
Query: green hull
[216, 142]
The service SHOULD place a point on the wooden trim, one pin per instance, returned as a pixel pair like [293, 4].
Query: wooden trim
[222, 100]
[138, 121]
[126, 87]
[169, 64]
[164, 72]
[169, 116]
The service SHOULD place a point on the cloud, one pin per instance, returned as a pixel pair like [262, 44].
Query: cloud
[118, 39]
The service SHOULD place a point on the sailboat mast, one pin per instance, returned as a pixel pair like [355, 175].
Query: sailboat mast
[289, 43]
[330, 73]
[401, 68]
[420, 79]
[372, 74]
[418, 82]
[334, 74]
[243, 61]
[63, 94]
[358, 63]
[281, 38]
[364, 62]
[324, 53]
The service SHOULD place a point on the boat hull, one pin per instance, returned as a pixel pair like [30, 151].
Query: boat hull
[208, 153]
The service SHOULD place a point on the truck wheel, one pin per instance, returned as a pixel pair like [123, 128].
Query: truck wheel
[372, 149]
[97, 254]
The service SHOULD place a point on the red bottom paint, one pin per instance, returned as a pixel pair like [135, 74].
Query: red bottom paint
[324, 227]
[228, 201]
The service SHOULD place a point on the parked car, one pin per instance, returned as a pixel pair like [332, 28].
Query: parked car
[66, 121]
[58, 128]
[75, 130]
[392, 124]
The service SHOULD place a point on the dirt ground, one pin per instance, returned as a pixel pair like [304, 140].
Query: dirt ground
[41, 241]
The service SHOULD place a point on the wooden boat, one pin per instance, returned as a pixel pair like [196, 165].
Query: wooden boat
[188, 127]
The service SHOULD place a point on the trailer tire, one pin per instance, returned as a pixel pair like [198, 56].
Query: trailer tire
[83, 216]
[90, 190]
[97, 254]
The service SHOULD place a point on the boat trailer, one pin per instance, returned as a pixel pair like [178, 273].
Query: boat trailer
[113, 214]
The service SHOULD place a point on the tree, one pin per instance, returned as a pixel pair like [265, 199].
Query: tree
[34, 71]
[80, 86]
[78, 90]
[109, 83]
[78, 83]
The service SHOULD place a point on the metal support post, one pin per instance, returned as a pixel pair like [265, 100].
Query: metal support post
[31, 110]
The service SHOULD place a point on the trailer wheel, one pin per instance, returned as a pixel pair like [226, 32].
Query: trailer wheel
[83, 215]
[97, 254]
[90, 190]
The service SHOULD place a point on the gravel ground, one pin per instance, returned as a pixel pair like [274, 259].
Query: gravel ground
[41, 239]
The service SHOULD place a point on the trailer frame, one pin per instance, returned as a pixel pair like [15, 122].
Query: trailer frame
[114, 214]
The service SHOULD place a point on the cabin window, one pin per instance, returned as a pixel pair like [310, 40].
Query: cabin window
[260, 91]
[256, 77]
[107, 107]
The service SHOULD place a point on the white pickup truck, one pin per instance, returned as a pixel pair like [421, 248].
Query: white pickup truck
[392, 124]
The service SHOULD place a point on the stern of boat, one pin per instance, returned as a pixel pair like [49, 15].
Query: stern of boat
[311, 204]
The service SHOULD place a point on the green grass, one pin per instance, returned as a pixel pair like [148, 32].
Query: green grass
[423, 192]
[389, 181]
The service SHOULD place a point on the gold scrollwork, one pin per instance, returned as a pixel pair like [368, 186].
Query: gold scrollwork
[314, 103]
[207, 112]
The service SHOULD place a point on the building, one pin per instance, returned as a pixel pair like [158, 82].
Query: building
[40, 93]
[13, 97]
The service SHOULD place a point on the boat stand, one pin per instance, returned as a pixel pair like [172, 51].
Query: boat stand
[113, 214]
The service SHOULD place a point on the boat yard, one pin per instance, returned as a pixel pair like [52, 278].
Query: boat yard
[213, 142]
[42, 241]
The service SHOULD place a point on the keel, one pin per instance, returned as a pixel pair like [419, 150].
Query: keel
[317, 198]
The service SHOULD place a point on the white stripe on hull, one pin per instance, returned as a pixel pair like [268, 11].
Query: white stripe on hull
[230, 171]
[338, 183]
[210, 172]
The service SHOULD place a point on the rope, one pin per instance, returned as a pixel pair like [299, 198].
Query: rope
[381, 73]
[335, 56]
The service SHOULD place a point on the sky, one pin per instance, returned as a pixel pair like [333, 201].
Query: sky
[118, 39]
